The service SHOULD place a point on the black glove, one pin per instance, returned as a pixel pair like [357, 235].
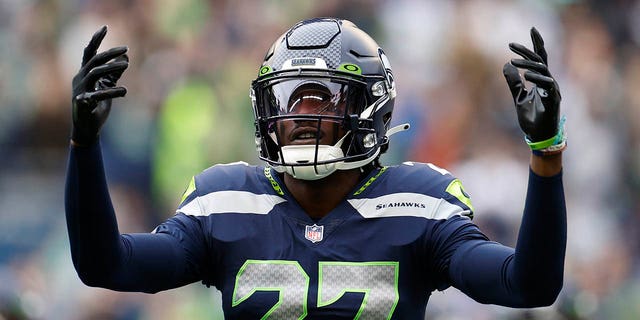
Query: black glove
[538, 109]
[93, 88]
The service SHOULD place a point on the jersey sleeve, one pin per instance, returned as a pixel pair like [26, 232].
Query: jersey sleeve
[186, 227]
[529, 275]
[446, 238]
[103, 257]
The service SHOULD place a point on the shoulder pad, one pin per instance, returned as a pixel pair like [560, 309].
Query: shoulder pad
[424, 179]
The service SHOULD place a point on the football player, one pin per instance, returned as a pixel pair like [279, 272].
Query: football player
[323, 230]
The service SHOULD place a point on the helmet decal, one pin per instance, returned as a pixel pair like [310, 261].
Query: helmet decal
[264, 70]
[350, 67]
[296, 63]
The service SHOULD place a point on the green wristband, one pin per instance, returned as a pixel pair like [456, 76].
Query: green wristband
[559, 138]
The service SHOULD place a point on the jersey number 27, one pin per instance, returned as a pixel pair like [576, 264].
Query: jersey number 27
[377, 280]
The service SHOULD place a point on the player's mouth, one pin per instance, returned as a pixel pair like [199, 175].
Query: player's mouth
[305, 135]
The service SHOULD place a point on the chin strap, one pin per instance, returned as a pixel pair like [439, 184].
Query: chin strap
[306, 154]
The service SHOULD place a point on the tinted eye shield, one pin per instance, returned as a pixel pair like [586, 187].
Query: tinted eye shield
[338, 96]
[309, 96]
[308, 99]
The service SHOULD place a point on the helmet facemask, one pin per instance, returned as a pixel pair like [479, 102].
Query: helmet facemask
[307, 125]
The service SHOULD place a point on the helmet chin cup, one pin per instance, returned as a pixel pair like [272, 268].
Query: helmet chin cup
[303, 156]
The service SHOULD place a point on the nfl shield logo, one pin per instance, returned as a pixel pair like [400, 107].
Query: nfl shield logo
[313, 233]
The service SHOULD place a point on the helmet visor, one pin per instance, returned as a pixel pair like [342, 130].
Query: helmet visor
[312, 96]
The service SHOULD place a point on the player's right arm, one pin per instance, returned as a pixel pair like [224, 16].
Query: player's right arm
[101, 255]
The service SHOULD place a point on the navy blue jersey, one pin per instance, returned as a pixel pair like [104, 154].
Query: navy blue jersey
[379, 253]
[403, 232]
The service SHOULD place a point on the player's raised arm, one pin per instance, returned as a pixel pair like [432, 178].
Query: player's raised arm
[102, 257]
[538, 108]
[532, 274]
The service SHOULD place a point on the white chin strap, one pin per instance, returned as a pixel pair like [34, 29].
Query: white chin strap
[305, 156]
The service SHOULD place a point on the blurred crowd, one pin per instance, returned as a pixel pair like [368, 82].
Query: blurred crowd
[187, 108]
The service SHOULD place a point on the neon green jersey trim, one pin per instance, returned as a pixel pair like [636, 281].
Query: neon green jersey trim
[190, 189]
[370, 181]
[455, 189]
[274, 183]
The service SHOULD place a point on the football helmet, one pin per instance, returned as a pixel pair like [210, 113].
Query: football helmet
[324, 72]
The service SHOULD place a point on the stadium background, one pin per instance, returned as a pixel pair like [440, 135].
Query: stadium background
[188, 108]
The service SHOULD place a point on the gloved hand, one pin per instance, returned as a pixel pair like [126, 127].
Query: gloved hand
[538, 108]
[93, 88]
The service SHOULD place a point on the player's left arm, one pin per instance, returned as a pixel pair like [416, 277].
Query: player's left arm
[532, 274]
[529, 275]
